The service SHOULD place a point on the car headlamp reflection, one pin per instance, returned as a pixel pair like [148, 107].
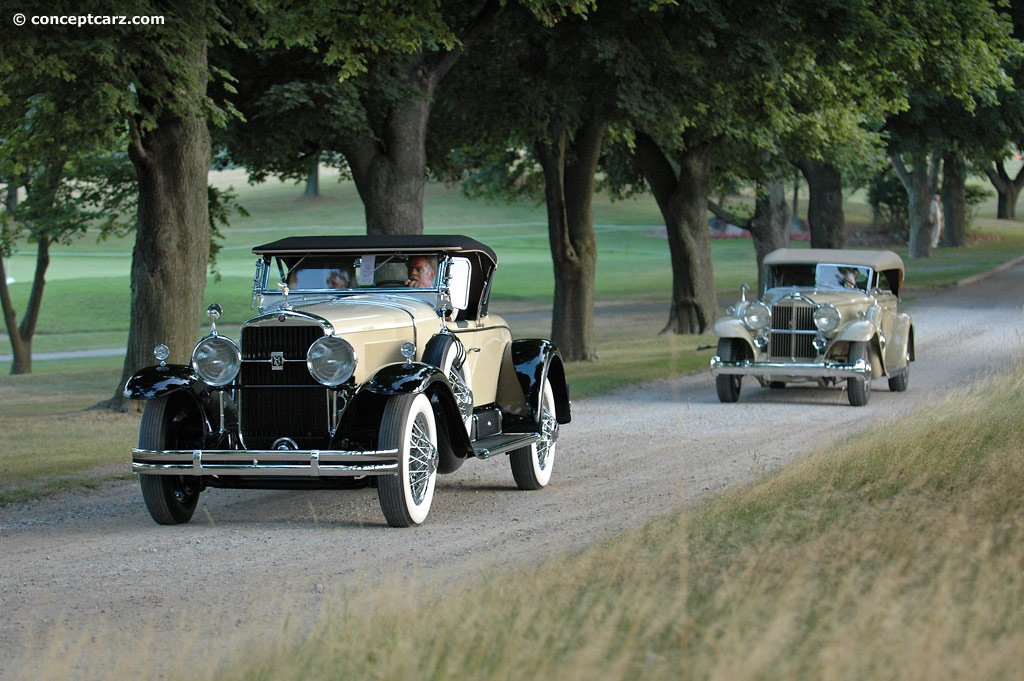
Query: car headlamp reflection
[216, 359]
[331, 360]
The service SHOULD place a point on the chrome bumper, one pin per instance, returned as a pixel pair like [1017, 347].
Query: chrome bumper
[315, 463]
[859, 369]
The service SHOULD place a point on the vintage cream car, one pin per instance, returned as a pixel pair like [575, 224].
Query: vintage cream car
[371, 361]
[826, 315]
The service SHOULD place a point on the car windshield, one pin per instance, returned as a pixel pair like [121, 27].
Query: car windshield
[842, 277]
[357, 272]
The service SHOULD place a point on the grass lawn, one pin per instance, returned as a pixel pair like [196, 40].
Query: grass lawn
[87, 300]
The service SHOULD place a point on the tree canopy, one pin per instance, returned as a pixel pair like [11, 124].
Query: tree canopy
[551, 97]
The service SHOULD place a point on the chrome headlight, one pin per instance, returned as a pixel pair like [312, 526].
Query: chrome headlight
[757, 316]
[827, 318]
[216, 359]
[331, 360]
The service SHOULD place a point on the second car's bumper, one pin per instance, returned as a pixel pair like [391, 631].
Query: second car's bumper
[270, 462]
[746, 367]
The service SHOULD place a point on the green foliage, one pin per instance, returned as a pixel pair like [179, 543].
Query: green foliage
[888, 200]
[975, 196]
[223, 205]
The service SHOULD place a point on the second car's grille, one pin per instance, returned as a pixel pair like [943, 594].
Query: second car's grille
[285, 401]
[792, 332]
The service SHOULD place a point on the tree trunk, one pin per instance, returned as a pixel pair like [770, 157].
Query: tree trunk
[21, 338]
[770, 224]
[921, 184]
[1007, 188]
[569, 169]
[389, 163]
[825, 215]
[954, 200]
[683, 201]
[11, 199]
[45, 189]
[389, 166]
[21, 350]
[172, 244]
[313, 178]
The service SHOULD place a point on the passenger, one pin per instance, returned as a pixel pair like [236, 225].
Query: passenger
[341, 278]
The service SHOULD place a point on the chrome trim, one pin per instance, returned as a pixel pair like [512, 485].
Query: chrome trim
[859, 369]
[265, 462]
[265, 319]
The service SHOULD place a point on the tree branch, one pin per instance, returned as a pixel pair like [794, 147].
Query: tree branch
[722, 213]
[487, 14]
[901, 171]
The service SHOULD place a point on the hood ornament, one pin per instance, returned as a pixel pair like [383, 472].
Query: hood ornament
[214, 312]
[284, 291]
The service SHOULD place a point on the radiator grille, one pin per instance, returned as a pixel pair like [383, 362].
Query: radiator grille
[792, 332]
[286, 402]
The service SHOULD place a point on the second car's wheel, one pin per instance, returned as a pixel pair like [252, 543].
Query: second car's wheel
[898, 383]
[531, 466]
[409, 426]
[728, 385]
[859, 389]
[170, 422]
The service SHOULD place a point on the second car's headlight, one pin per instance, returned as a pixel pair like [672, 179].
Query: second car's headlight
[216, 359]
[827, 318]
[331, 360]
[757, 316]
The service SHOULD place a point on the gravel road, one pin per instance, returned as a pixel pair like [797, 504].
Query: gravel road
[90, 575]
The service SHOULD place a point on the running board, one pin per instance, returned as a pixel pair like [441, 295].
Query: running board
[503, 444]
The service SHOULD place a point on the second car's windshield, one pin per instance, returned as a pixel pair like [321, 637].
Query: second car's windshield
[843, 276]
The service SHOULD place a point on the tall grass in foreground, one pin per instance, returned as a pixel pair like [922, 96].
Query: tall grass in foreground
[899, 556]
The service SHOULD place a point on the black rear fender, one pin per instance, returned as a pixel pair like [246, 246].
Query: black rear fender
[537, 360]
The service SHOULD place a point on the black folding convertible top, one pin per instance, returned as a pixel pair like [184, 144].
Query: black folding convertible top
[360, 244]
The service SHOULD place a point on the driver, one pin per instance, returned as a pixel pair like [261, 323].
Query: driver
[849, 277]
[422, 271]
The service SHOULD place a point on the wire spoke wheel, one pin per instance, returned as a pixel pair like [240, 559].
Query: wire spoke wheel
[532, 465]
[859, 389]
[445, 352]
[409, 426]
[728, 385]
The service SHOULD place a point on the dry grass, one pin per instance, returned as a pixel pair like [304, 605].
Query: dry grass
[52, 440]
[899, 557]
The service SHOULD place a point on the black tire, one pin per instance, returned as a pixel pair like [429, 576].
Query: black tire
[409, 426]
[170, 422]
[899, 382]
[728, 385]
[859, 389]
[531, 466]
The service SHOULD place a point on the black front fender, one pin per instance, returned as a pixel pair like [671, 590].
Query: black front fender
[403, 379]
[363, 414]
[156, 381]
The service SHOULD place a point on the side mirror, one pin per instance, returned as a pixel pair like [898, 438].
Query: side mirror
[459, 272]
